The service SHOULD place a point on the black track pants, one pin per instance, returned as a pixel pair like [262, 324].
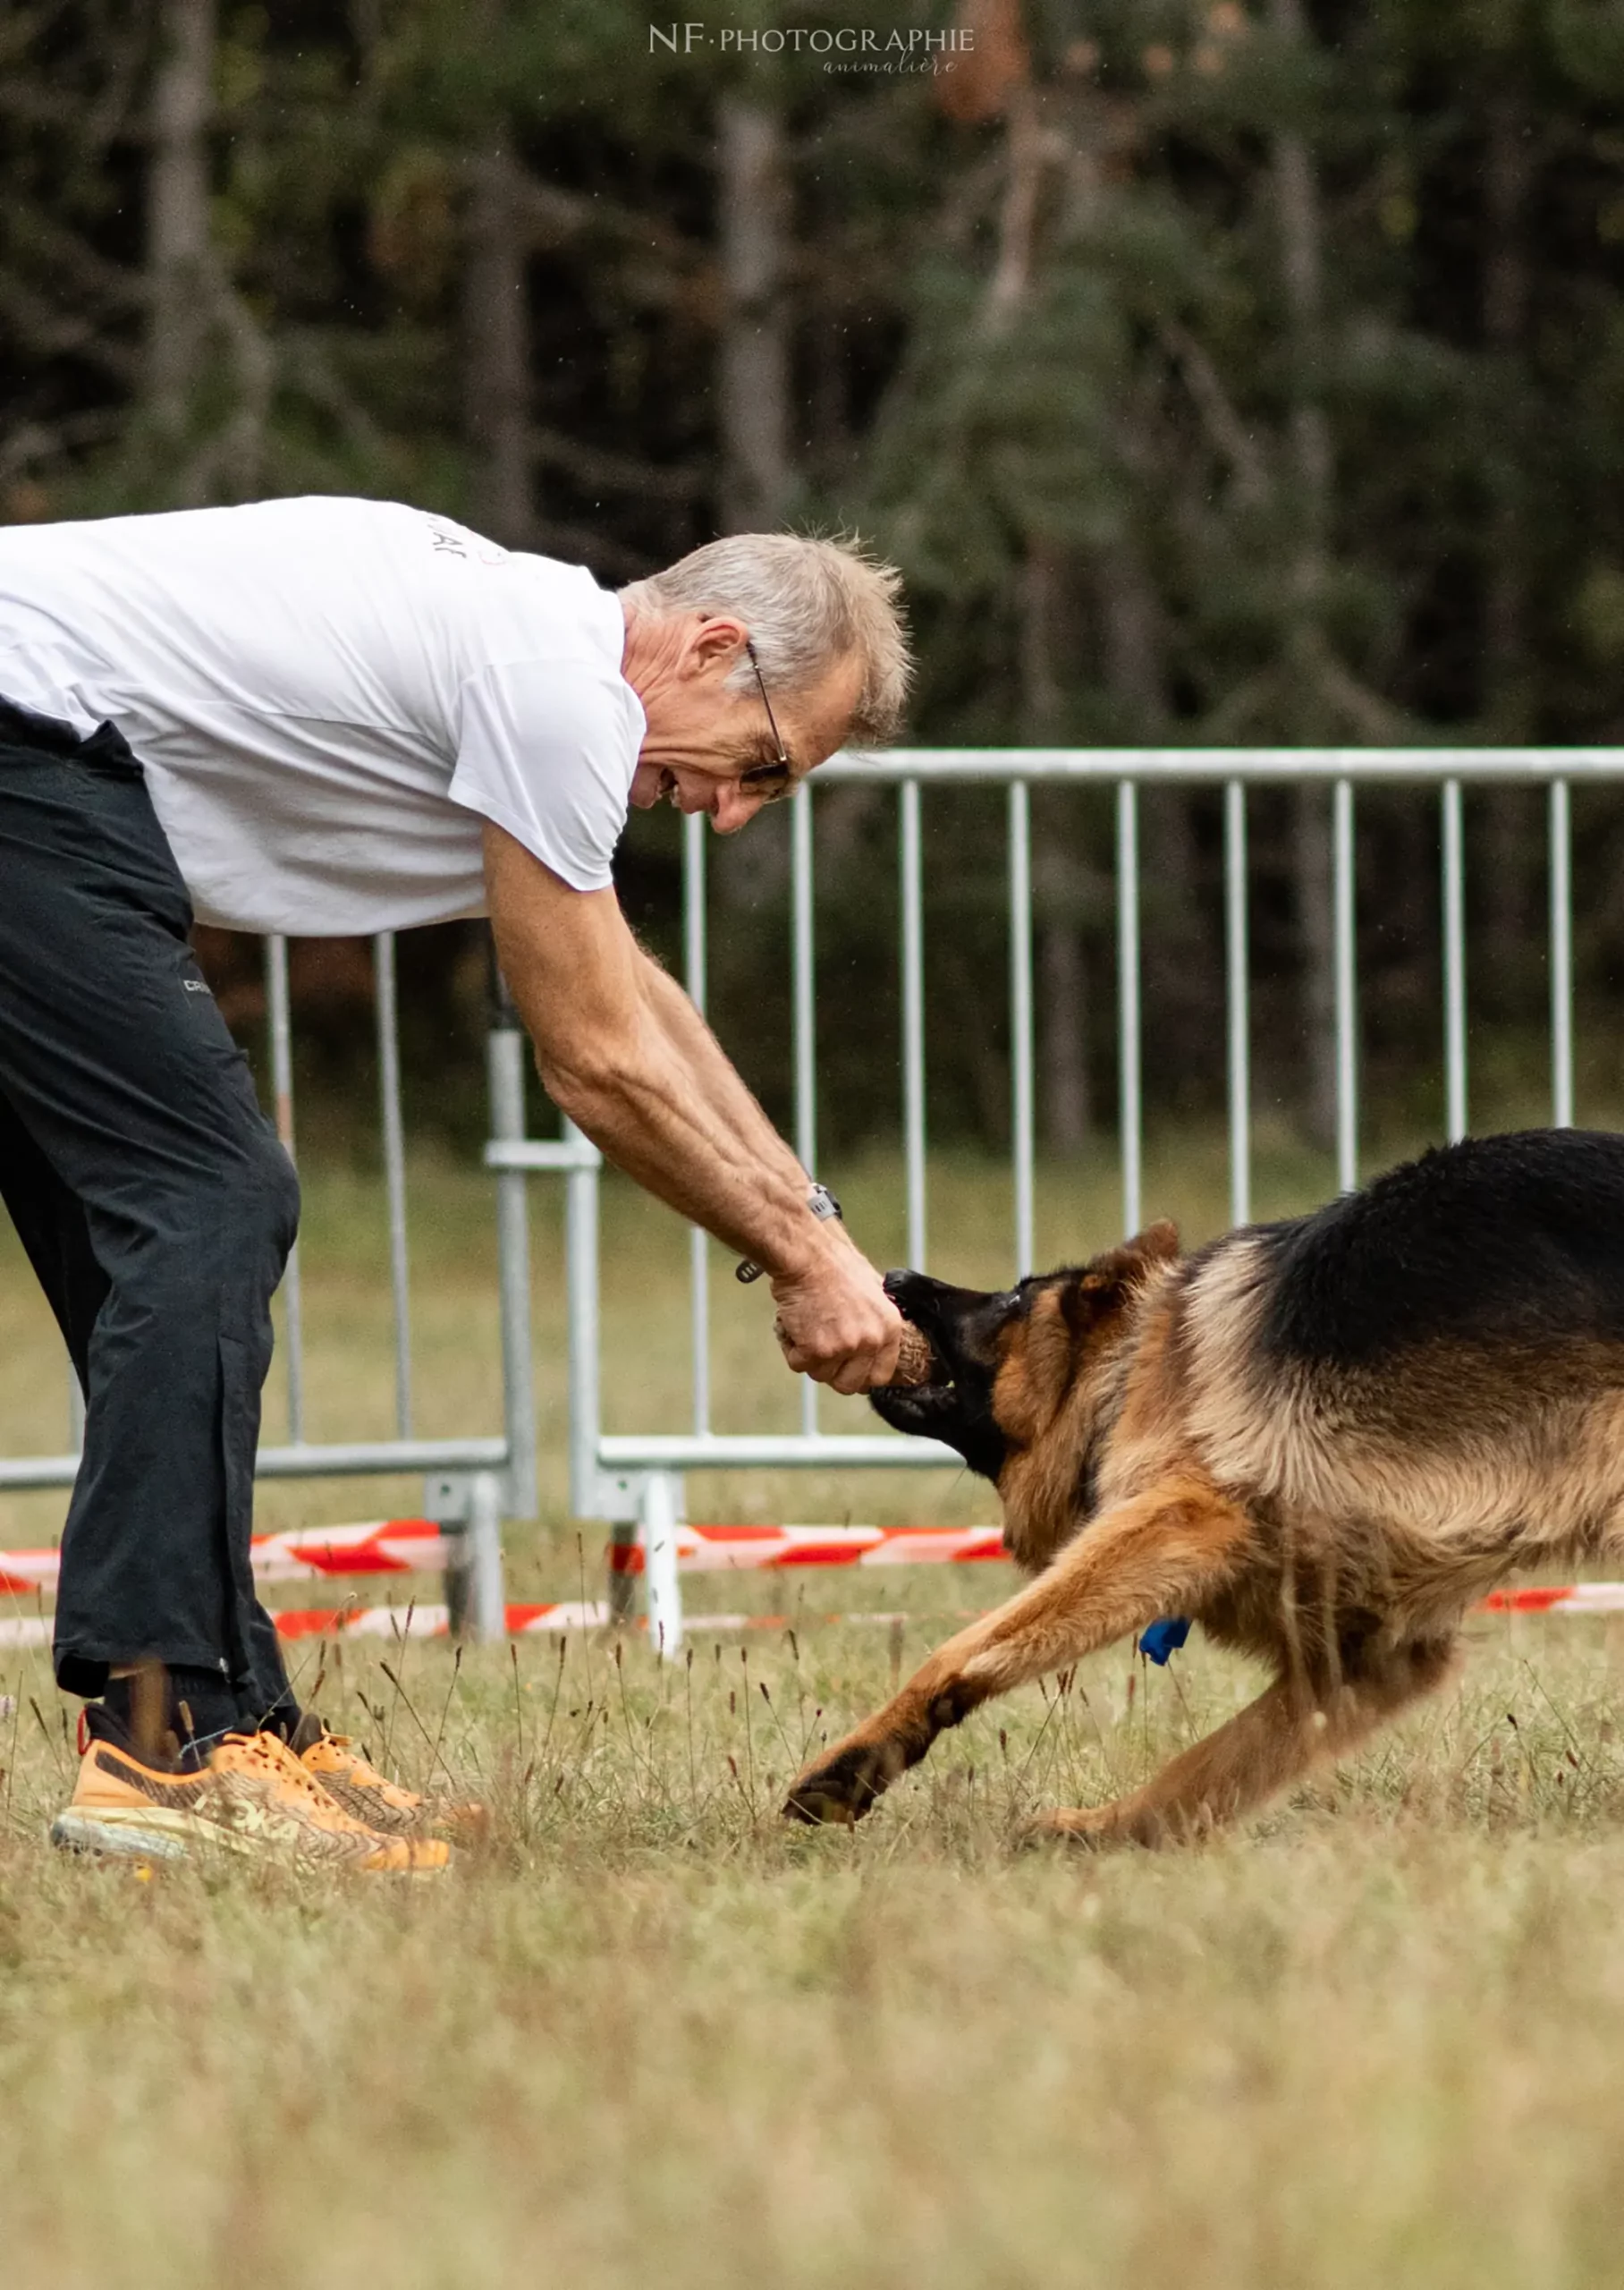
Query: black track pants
[155, 1204]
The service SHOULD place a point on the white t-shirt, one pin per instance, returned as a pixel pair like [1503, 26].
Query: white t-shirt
[328, 696]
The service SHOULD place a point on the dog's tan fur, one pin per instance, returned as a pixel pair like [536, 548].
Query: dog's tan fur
[1336, 1525]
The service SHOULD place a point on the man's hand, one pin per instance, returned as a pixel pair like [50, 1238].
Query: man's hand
[835, 1322]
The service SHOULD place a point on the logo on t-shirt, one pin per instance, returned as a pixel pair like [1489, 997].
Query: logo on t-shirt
[453, 541]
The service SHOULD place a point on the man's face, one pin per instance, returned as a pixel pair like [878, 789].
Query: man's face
[712, 749]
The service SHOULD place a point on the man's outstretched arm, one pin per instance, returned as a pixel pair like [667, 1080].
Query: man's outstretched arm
[625, 1053]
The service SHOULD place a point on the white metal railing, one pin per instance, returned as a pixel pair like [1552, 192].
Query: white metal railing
[636, 1479]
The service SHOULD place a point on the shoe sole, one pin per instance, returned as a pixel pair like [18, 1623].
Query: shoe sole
[117, 1835]
[145, 1840]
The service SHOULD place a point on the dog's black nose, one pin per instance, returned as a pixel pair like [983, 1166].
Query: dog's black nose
[908, 1291]
[916, 1294]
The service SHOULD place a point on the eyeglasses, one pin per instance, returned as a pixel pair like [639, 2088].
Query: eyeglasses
[774, 791]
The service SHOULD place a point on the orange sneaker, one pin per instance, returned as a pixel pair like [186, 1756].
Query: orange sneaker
[254, 1798]
[350, 1778]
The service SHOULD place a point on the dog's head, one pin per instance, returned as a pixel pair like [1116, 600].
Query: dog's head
[1017, 1378]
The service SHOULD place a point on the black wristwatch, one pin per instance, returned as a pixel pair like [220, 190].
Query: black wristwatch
[822, 1204]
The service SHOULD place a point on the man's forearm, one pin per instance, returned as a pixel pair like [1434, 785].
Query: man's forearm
[627, 1055]
[686, 1029]
[670, 1110]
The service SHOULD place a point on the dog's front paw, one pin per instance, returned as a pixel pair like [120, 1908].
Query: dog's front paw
[1127, 1822]
[843, 1787]
[1080, 1827]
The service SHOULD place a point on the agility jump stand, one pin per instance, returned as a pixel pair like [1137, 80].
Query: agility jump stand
[644, 1509]
[403, 1546]
[381, 1546]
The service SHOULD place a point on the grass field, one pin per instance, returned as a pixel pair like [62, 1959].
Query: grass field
[649, 2034]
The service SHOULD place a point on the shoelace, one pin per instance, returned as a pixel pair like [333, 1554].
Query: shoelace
[270, 1750]
[346, 1746]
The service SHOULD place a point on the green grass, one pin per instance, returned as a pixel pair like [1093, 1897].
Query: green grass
[649, 2034]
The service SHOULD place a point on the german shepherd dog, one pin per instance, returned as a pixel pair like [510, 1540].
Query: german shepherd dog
[1322, 1439]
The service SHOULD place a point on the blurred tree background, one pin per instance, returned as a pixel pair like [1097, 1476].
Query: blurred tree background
[1217, 370]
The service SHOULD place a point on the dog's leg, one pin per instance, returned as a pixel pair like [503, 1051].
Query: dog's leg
[1272, 1741]
[1164, 1551]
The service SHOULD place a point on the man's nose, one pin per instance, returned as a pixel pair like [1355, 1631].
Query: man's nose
[732, 807]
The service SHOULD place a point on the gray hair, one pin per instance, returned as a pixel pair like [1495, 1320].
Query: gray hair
[807, 604]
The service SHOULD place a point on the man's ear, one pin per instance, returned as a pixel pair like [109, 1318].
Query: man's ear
[1103, 1285]
[719, 640]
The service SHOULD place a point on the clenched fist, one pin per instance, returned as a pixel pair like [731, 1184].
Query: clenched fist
[835, 1322]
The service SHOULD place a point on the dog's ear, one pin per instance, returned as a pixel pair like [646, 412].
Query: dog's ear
[1158, 1244]
[1103, 1285]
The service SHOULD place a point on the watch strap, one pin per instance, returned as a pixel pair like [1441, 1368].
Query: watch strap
[822, 1204]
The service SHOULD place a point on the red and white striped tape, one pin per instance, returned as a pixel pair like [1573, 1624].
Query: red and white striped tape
[376, 1546]
[408, 1545]
[531, 1621]
[428, 1621]
[710, 1550]
[1570, 1598]
[28, 1631]
[435, 1620]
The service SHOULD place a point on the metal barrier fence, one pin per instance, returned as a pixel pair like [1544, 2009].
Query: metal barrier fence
[636, 1481]
[470, 1484]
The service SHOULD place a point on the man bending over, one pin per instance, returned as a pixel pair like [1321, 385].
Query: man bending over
[335, 716]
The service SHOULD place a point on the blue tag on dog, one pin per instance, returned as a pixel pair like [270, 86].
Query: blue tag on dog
[1164, 1638]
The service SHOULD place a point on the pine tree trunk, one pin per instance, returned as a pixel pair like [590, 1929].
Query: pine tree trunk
[758, 463]
[1062, 985]
[1311, 863]
[1130, 625]
[1027, 155]
[1058, 875]
[1179, 987]
[495, 348]
[1506, 903]
[178, 283]
[1297, 220]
